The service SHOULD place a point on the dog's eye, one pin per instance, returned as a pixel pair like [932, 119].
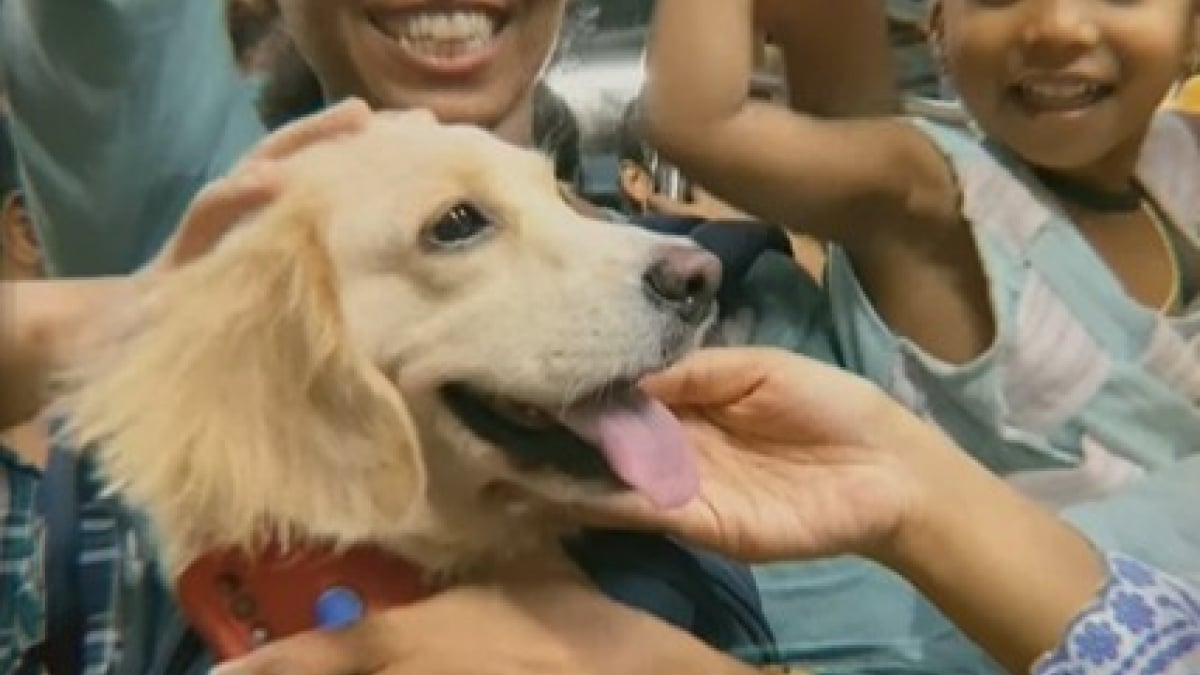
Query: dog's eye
[461, 225]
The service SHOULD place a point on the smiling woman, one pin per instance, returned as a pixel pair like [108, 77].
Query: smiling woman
[163, 91]
[474, 63]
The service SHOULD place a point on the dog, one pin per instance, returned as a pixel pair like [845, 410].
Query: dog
[420, 316]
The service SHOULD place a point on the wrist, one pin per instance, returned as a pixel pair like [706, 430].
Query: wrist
[1008, 573]
[70, 314]
[926, 534]
[933, 473]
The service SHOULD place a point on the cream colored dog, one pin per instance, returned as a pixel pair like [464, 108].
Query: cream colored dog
[419, 316]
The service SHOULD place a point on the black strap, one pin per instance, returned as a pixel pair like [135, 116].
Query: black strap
[714, 599]
[58, 506]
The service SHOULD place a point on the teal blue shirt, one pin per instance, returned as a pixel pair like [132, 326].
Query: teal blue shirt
[122, 109]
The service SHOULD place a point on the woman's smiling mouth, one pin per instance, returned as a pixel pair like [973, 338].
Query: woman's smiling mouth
[444, 39]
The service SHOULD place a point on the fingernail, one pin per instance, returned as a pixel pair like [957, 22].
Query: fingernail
[352, 104]
[256, 175]
[254, 169]
[359, 111]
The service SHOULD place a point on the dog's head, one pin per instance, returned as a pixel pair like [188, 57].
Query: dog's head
[420, 314]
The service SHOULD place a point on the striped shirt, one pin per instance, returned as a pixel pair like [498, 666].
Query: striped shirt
[23, 606]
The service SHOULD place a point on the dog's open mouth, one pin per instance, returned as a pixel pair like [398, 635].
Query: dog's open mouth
[619, 435]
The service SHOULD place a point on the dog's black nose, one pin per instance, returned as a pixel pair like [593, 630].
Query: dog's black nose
[686, 279]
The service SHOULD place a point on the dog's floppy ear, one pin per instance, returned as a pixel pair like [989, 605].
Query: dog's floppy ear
[232, 407]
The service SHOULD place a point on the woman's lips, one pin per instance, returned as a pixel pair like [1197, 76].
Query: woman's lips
[447, 40]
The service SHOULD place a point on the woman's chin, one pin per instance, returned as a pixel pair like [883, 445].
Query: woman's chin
[487, 107]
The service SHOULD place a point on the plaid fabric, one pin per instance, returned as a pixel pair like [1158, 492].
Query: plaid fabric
[22, 593]
[23, 613]
[99, 574]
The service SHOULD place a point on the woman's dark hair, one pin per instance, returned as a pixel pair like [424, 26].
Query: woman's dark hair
[9, 174]
[630, 144]
[556, 133]
[249, 23]
[291, 88]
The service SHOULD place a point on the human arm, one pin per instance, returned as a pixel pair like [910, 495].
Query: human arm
[49, 324]
[1010, 575]
[879, 187]
[121, 111]
[862, 81]
[40, 318]
[799, 460]
[824, 177]
[44, 325]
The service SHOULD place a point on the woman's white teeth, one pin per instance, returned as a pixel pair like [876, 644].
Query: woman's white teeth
[447, 33]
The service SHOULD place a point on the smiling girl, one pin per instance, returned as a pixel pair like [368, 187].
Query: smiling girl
[1034, 290]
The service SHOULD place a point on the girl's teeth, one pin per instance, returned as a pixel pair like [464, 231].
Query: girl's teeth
[1060, 95]
[1062, 90]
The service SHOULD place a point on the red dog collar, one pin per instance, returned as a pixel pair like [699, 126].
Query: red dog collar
[239, 602]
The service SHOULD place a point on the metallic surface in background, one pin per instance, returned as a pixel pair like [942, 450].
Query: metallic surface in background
[668, 180]
[601, 71]
[597, 78]
[598, 75]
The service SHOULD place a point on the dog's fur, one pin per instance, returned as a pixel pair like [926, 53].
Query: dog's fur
[286, 384]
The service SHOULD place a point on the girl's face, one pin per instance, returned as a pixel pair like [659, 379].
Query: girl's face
[1069, 85]
[469, 61]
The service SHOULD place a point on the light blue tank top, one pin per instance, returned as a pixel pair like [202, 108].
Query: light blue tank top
[1081, 378]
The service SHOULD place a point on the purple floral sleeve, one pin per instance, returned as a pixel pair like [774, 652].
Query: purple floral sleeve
[1143, 622]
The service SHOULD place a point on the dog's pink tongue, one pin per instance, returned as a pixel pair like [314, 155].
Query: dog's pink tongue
[644, 444]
